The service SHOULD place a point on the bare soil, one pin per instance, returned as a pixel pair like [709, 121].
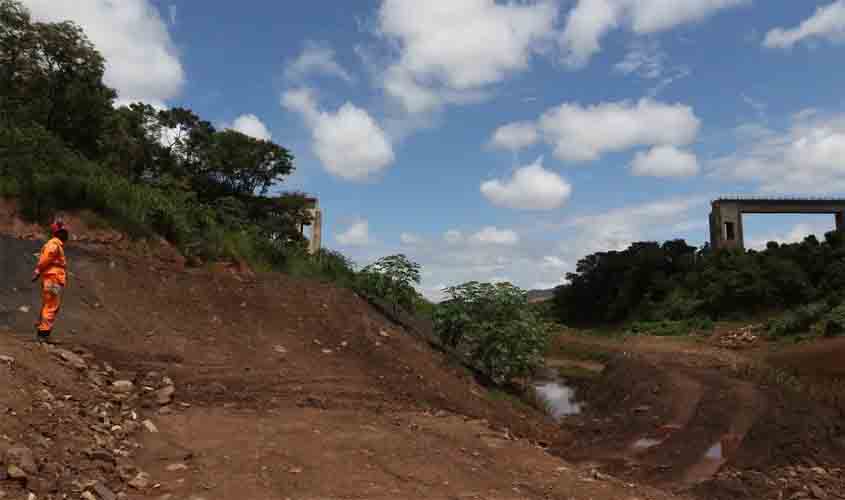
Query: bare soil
[690, 417]
[293, 389]
[282, 388]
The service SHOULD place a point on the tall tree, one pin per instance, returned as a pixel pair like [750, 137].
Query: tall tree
[241, 165]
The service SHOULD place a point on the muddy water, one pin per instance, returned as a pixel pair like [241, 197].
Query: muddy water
[558, 397]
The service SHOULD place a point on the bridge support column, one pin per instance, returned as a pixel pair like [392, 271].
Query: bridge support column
[316, 231]
[726, 226]
[840, 221]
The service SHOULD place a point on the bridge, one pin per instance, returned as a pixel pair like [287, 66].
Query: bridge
[726, 214]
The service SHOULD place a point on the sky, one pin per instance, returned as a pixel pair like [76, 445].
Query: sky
[504, 140]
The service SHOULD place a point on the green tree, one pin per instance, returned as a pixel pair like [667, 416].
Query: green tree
[494, 327]
[242, 165]
[392, 278]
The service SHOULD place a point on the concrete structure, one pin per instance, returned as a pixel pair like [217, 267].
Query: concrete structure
[726, 215]
[313, 208]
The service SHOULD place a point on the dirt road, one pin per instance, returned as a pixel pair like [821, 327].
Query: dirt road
[688, 416]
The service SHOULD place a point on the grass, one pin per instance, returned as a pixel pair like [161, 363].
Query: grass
[579, 351]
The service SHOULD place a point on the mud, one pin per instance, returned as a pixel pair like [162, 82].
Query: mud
[676, 415]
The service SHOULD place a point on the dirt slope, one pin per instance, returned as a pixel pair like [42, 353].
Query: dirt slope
[283, 389]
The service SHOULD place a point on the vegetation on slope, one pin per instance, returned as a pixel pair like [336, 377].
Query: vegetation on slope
[65, 145]
[675, 281]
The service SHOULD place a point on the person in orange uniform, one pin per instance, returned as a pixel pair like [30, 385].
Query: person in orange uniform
[52, 271]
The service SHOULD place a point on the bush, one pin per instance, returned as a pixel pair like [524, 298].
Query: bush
[392, 278]
[669, 328]
[835, 322]
[494, 327]
[794, 321]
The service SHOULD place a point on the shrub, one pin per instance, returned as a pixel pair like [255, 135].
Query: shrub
[494, 327]
[835, 322]
[392, 278]
[796, 320]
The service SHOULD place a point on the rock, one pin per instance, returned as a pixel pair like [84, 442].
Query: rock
[21, 457]
[280, 349]
[384, 334]
[7, 359]
[122, 386]
[150, 426]
[15, 473]
[40, 485]
[217, 388]
[176, 467]
[818, 492]
[101, 454]
[103, 492]
[72, 359]
[95, 378]
[52, 469]
[165, 395]
[819, 470]
[87, 495]
[141, 481]
[23, 309]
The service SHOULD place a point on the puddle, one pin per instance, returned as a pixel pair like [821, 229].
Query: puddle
[559, 398]
[715, 457]
[646, 443]
[715, 452]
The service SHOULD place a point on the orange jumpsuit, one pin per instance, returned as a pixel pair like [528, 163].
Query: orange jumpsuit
[51, 267]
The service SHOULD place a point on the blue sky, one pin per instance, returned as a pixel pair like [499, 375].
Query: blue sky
[505, 140]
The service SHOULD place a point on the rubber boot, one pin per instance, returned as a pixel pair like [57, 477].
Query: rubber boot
[44, 336]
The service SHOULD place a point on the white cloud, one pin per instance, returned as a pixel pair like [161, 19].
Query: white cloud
[491, 235]
[533, 259]
[828, 22]
[141, 61]
[644, 58]
[448, 48]
[316, 58]
[348, 142]
[552, 262]
[410, 239]
[665, 161]
[514, 136]
[252, 126]
[796, 234]
[531, 187]
[356, 235]
[453, 236]
[618, 228]
[585, 133]
[806, 158]
[591, 20]
[652, 16]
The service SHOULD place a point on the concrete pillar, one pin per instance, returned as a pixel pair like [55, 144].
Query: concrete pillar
[316, 231]
[729, 218]
[840, 221]
[715, 229]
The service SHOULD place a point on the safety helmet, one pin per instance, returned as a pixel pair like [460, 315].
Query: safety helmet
[57, 227]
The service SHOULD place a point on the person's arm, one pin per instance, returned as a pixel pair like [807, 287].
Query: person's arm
[44, 261]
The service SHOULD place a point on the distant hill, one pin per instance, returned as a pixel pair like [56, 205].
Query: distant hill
[540, 295]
